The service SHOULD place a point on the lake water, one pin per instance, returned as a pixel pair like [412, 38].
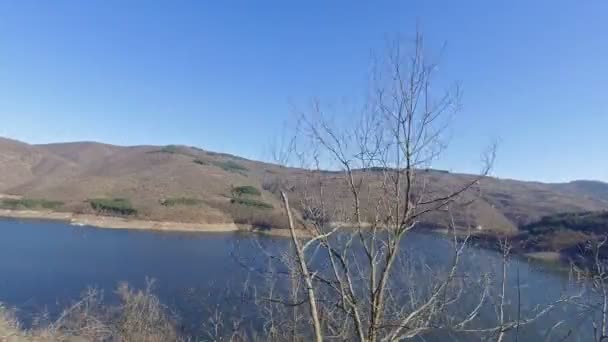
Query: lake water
[46, 265]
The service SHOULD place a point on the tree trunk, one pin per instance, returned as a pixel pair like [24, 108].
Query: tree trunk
[304, 269]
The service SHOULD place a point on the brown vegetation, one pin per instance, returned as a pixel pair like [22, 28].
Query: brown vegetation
[139, 317]
[72, 173]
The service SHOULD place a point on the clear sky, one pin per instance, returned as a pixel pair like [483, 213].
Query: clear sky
[225, 75]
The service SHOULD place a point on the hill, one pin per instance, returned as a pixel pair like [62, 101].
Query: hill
[593, 189]
[586, 224]
[191, 185]
[568, 234]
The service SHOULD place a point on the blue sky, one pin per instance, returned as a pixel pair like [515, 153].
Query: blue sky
[226, 75]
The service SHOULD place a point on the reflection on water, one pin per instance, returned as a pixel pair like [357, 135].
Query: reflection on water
[45, 265]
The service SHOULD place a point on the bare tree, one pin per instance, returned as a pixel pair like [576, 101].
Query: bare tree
[591, 272]
[348, 226]
[383, 162]
[306, 275]
[510, 315]
[361, 188]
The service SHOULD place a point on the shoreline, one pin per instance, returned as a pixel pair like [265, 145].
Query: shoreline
[112, 222]
[109, 222]
[546, 256]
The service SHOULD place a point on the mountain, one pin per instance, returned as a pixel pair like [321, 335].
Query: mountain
[594, 189]
[188, 184]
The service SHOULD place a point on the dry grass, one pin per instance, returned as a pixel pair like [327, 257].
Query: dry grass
[9, 326]
[139, 317]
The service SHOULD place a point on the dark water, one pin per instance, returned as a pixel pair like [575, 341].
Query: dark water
[46, 265]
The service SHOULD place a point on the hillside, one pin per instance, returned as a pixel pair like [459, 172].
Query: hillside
[568, 234]
[593, 189]
[191, 185]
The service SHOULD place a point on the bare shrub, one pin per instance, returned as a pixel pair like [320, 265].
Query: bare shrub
[88, 318]
[139, 317]
[591, 272]
[142, 317]
[257, 218]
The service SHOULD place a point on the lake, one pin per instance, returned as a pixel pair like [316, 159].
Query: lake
[46, 265]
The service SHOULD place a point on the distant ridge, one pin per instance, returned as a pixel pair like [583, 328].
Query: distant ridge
[75, 172]
[591, 188]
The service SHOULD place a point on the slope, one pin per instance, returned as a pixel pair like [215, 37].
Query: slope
[200, 184]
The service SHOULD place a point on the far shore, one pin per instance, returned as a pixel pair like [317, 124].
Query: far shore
[119, 222]
[111, 222]
[545, 256]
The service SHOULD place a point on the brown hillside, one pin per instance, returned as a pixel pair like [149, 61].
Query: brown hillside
[146, 175]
